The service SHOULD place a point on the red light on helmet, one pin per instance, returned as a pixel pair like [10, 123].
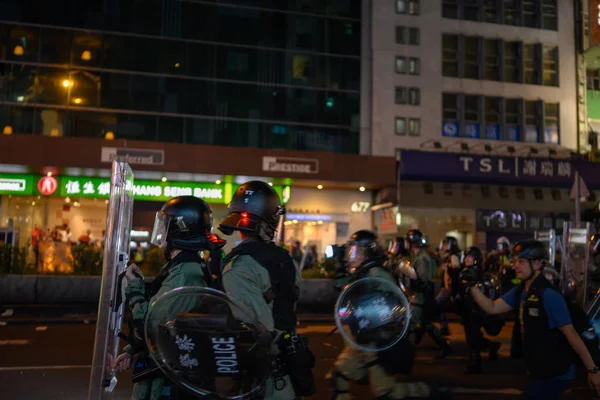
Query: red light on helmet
[244, 215]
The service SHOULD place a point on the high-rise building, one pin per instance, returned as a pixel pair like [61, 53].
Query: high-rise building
[236, 73]
[198, 96]
[479, 102]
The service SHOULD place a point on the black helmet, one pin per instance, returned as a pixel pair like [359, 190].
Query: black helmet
[530, 250]
[415, 238]
[452, 243]
[185, 223]
[363, 246]
[255, 204]
[477, 255]
[397, 247]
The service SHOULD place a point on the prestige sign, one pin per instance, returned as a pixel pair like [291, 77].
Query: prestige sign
[133, 156]
[290, 165]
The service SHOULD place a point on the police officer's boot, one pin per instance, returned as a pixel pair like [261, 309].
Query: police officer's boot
[474, 365]
[445, 349]
[339, 385]
[493, 347]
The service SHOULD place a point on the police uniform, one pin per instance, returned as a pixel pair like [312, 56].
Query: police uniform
[423, 305]
[367, 260]
[263, 276]
[183, 228]
[473, 318]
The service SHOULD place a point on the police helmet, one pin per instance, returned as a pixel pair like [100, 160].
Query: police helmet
[477, 255]
[451, 243]
[362, 246]
[415, 238]
[255, 208]
[185, 223]
[503, 244]
[397, 246]
[531, 250]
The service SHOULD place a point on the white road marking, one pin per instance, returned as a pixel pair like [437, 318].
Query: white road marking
[41, 328]
[43, 367]
[18, 342]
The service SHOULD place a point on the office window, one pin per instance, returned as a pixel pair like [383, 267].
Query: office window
[531, 122]
[550, 67]
[491, 11]
[450, 55]
[492, 59]
[450, 106]
[450, 8]
[471, 108]
[407, 35]
[400, 65]
[410, 7]
[471, 60]
[401, 95]
[400, 126]
[593, 79]
[551, 125]
[529, 64]
[414, 96]
[414, 127]
[530, 16]
[414, 36]
[471, 10]
[401, 35]
[549, 14]
[511, 111]
[511, 61]
[414, 66]
[492, 110]
[511, 13]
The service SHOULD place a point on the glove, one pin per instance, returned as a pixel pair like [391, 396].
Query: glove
[471, 275]
[133, 272]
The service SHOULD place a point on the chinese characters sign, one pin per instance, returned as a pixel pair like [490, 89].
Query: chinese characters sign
[518, 221]
[148, 190]
[449, 167]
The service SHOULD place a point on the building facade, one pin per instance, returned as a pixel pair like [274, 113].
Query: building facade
[497, 73]
[235, 73]
[478, 101]
[198, 96]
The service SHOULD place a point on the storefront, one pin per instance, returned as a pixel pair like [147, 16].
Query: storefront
[79, 203]
[320, 217]
[478, 198]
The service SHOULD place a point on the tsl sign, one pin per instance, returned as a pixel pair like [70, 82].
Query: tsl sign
[290, 165]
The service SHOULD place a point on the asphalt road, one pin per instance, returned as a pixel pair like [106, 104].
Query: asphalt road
[51, 361]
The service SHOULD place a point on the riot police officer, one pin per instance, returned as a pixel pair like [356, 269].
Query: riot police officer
[451, 252]
[366, 258]
[182, 228]
[262, 275]
[498, 261]
[473, 318]
[423, 305]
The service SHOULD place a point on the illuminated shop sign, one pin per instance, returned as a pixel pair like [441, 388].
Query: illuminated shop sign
[99, 188]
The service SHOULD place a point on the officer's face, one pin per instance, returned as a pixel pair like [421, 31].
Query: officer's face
[469, 261]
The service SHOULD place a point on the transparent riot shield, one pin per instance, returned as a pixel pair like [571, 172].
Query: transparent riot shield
[549, 239]
[372, 314]
[116, 256]
[209, 344]
[575, 260]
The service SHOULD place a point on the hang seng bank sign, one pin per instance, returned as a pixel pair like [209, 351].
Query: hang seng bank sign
[99, 188]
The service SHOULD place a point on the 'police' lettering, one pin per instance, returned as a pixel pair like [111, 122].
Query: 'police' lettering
[225, 355]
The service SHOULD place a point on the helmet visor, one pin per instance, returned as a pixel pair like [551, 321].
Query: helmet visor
[356, 255]
[160, 230]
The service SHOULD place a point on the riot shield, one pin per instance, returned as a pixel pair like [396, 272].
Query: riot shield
[575, 259]
[549, 239]
[208, 343]
[372, 314]
[116, 256]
